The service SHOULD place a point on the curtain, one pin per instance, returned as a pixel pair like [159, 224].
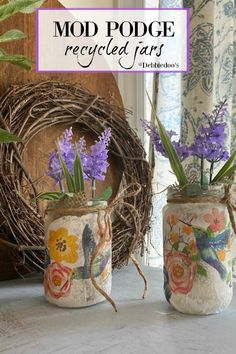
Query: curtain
[182, 98]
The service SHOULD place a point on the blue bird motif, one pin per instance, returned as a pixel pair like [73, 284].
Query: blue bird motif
[208, 247]
[88, 244]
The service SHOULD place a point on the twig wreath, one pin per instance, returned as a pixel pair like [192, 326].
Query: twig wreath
[28, 109]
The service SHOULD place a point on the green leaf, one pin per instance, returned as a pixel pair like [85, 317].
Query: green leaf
[12, 35]
[106, 194]
[77, 275]
[14, 6]
[6, 137]
[195, 257]
[68, 177]
[19, 60]
[78, 175]
[176, 246]
[50, 196]
[174, 159]
[31, 8]
[225, 170]
[210, 233]
[229, 278]
[186, 250]
[201, 271]
[54, 195]
[229, 173]
[2, 52]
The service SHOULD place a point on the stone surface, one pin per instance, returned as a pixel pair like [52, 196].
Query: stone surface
[28, 324]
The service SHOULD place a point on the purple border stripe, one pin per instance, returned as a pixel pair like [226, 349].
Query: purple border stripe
[187, 71]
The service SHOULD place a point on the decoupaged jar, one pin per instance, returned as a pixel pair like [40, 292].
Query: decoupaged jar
[73, 233]
[197, 252]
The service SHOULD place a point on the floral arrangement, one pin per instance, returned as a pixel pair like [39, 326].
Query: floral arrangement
[70, 164]
[197, 231]
[209, 146]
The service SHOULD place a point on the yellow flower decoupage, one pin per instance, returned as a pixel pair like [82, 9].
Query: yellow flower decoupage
[62, 246]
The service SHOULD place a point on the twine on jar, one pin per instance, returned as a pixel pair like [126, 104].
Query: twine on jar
[64, 207]
[137, 223]
[230, 207]
[103, 232]
[108, 231]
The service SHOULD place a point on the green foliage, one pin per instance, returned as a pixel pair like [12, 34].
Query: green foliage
[210, 233]
[229, 278]
[69, 179]
[19, 60]
[6, 137]
[78, 174]
[54, 195]
[195, 257]
[173, 157]
[176, 246]
[75, 184]
[8, 9]
[31, 8]
[105, 196]
[77, 275]
[227, 170]
[12, 7]
[201, 271]
[11, 36]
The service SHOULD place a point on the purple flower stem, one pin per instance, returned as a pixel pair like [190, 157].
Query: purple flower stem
[211, 171]
[93, 187]
[202, 169]
[219, 110]
[61, 186]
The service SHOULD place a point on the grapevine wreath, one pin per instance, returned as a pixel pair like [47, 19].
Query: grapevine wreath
[26, 110]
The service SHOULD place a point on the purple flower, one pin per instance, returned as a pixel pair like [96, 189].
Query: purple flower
[95, 162]
[68, 154]
[182, 150]
[211, 137]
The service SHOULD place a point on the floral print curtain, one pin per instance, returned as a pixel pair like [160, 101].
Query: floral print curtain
[213, 69]
[183, 98]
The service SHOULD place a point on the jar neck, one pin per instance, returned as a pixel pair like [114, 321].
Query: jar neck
[214, 193]
[70, 207]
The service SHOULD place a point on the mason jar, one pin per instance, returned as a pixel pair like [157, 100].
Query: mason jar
[197, 252]
[73, 233]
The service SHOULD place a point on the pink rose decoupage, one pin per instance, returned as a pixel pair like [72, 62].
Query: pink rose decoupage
[197, 257]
